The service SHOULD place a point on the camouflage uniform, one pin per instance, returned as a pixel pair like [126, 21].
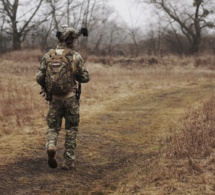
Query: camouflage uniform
[64, 106]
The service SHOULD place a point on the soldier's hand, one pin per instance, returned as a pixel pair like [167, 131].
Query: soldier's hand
[43, 93]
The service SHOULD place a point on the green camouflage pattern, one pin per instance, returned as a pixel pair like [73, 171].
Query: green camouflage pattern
[66, 107]
[59, 77]
[67, 30]
[78, 64]
[69, 109]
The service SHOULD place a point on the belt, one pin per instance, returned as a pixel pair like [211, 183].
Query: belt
[70, 94]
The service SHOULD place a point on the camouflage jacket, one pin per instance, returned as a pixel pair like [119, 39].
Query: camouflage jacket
[81, 73]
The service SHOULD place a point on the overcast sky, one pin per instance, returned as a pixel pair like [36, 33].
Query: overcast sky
[131, 13]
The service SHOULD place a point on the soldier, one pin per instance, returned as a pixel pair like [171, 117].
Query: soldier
[60, 71]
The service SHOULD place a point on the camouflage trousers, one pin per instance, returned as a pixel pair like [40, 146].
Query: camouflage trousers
[69, 110]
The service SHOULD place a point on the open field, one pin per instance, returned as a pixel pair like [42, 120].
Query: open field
[146, 128]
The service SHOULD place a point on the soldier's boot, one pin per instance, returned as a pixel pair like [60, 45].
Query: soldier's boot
[70, 145]
[51, 142]
[51, 151]
[67, 165]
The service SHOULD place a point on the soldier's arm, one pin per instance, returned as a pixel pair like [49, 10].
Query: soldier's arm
[41, 74]
[82, 74]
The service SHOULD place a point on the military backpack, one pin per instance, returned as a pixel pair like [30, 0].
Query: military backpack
[59, 73]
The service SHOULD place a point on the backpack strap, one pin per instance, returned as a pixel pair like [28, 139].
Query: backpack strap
[66, 58]
[70, 58]
[50, 56]
[63, 56]
[52, 52]
[65, 52]
[74, 67]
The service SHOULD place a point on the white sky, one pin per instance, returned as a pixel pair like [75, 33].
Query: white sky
[131, 13]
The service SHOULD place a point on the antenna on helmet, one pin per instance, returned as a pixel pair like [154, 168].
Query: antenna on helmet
[83, 31]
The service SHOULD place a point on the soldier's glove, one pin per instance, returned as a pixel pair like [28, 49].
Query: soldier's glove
[43, 93]
[46, 95]
[78, 76]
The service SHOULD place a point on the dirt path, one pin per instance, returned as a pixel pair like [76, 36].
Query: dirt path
[115, 146]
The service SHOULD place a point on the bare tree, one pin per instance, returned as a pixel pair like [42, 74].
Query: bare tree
[152, 42]
[55, 8]
[113, 35]
[192, 20]
[3, 38]
[93, 14]
[36, 25]
[19, 25]
[102, 29]
[133, 32]
[74, 10]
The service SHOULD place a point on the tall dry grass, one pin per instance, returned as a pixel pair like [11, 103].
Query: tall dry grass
[167, 60]
[186, 163]
[19, 100]
[21, 103]
[195, 136]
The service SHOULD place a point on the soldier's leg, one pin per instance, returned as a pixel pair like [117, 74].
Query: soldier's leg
[54, 121]
[71, 125]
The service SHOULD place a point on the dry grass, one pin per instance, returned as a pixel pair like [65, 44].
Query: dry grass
[195, 136]
[185, 164]
[187, 160]
[114, 82]
[19, 102]
[128, 106]
[149, 61]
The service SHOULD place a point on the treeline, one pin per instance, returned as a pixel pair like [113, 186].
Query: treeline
[179, 28]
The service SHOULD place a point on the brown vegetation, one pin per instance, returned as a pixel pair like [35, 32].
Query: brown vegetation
[146, 128]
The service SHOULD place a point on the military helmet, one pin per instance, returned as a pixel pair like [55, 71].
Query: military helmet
[65, 32]
[69, 32]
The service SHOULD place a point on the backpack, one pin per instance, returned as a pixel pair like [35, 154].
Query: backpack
[59, 73]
